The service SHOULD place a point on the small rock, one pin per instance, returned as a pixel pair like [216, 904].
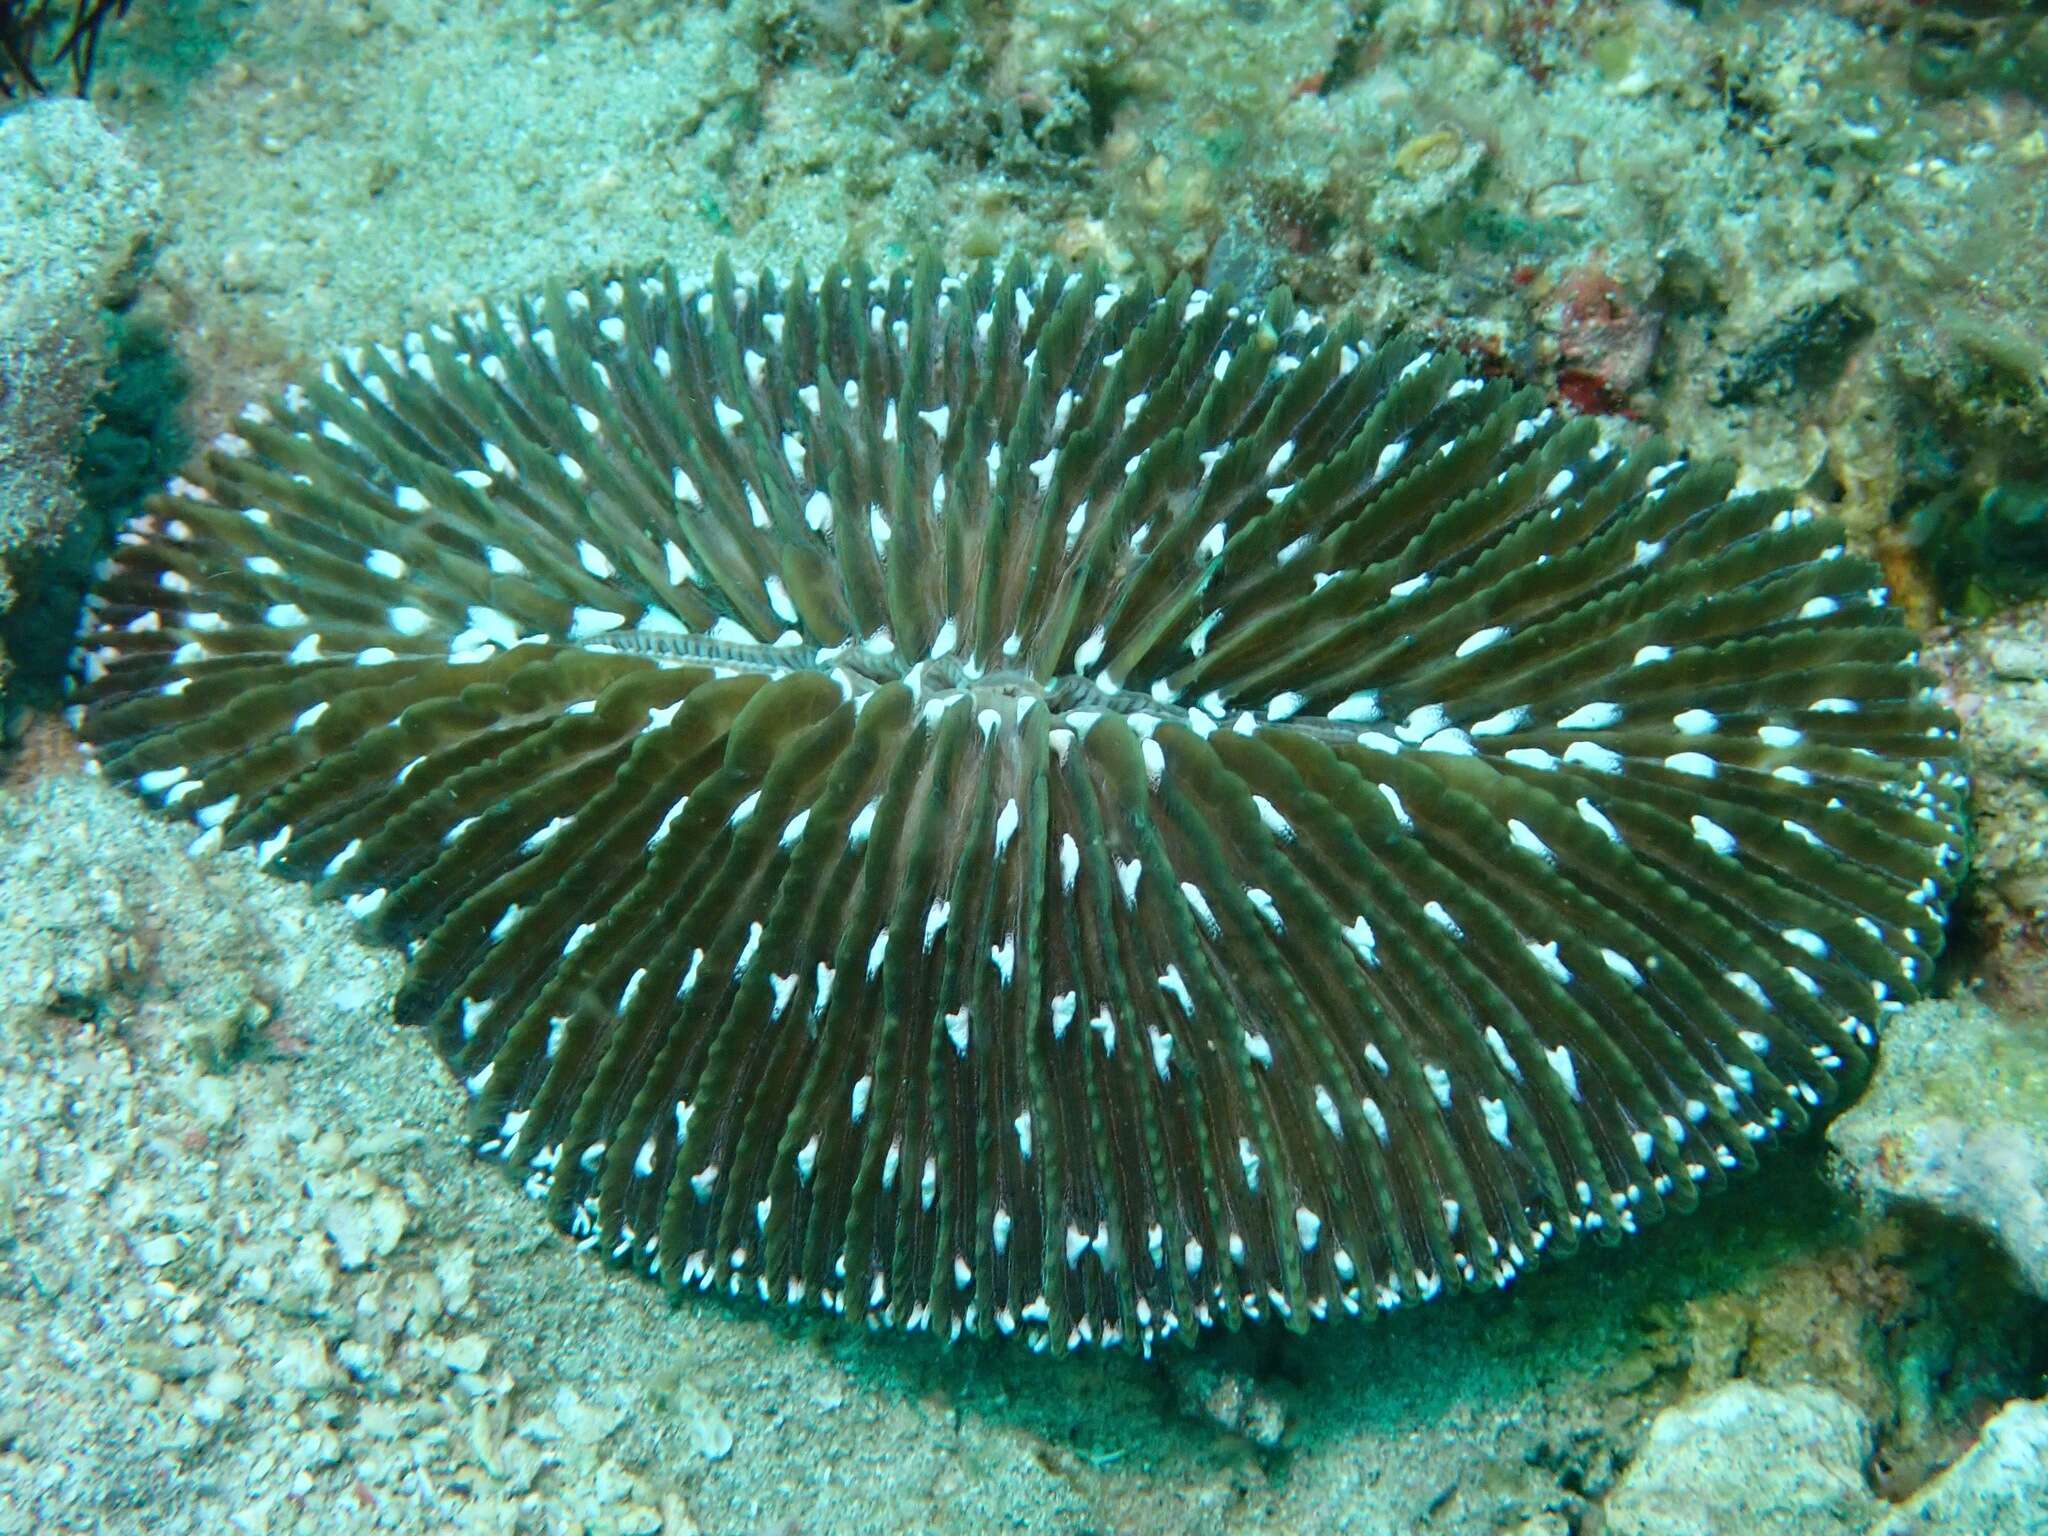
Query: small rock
[217, 1036]
[366, 1229]
[1606, 338]
[363, 1361]
[303, 1365]
[389, 1216]
[710, 1435]
[207, 1409]
[157, 1251]
[613, 1483]
[457, 1273]
[1765, 1462]
[582, 1422]
[319, 1448]
[519, 1463]
[487, 1434]
[1234, 1402]
[255, 266]
[324, 1151]
[226, 1386]
[467, 1354]
[310, 1275]
[96, 1172]
[349, 1232]
[1956, 1120]
[74, 205]
[383, 1143]
[145, 1386]
[172, 1358]
[2000, 1485]
[2017, 657]
[212, 1100]
[355, 996]
[416, 1298]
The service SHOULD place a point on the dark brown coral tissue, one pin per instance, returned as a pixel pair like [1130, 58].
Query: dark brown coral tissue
[1008, 804]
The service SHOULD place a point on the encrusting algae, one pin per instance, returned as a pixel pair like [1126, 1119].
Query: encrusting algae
[1002, 804]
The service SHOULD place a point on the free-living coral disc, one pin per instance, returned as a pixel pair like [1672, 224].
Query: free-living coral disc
[1006, 804]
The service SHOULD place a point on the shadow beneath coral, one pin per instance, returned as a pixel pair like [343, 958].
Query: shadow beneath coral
[1782, 1278]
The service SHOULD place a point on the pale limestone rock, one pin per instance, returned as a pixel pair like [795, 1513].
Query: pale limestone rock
[74, 206]
[1999, 1488]
[1758, 1460]
[1956, 1120]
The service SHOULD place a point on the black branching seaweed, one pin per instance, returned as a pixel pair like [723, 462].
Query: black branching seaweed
[28, 29]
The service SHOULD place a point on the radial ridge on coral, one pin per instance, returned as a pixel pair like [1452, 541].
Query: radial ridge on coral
[1009, 804]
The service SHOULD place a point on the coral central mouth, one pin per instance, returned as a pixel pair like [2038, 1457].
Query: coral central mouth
[860, 668]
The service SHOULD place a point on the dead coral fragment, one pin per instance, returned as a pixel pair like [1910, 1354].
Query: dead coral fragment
[1009, 805]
